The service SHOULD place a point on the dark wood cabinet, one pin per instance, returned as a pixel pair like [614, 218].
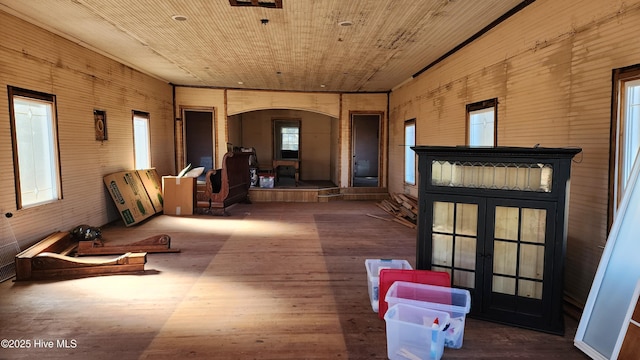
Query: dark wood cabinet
[496, 220]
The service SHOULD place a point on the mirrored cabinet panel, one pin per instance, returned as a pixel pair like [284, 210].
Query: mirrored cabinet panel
[493, 218]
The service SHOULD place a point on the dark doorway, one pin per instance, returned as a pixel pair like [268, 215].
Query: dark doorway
[365, 149]
[199, 135]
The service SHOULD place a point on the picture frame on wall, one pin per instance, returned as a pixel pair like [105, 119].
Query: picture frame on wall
[100, 124]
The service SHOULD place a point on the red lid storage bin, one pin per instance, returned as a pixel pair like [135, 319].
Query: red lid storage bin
[389, 276]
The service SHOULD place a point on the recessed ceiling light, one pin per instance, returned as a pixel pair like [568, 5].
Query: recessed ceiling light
[322, 85]
[345, 23]
[179, 18]
[240, 82]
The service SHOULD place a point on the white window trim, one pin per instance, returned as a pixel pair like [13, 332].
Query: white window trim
[141, 142]
[409, 154]
[53, 188]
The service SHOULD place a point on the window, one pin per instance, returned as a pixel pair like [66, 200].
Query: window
[286, 139]
[141, 143]
[409, 154]
[35, 146]
[625, 129]
[290, 138]
[482, 123]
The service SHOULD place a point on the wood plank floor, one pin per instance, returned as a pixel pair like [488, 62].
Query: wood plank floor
[270, 281]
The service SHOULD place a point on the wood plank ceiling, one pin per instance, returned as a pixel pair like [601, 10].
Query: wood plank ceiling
[307, 45]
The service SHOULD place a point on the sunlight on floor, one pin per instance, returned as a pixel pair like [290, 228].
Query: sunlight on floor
[229, 226]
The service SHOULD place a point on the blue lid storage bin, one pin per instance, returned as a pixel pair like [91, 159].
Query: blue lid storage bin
[374, 266]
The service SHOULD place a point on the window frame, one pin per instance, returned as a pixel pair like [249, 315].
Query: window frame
[407, 149]
[55, 167]
[278, 152]
[141, 114]
[617, 133]
[481, 105]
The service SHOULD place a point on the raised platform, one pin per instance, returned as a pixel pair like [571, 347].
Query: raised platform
[312, 193]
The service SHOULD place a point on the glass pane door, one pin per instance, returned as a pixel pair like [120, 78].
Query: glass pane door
[455, 241]
[519, 254]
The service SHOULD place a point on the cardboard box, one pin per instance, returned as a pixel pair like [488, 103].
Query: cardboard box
[129, 196]
[153, 185]
[179, 194]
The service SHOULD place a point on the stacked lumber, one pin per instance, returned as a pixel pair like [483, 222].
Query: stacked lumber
[403, 208]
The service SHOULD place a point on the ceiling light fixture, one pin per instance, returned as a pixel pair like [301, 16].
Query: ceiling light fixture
[345, 23]
[272, 4]
[179, 18]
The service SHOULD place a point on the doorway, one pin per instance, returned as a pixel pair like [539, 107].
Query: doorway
[365, 140]
[199, 138]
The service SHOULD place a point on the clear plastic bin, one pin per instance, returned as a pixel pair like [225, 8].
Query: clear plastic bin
[456, 302]
[415, 333]
[389, 276]
[374, 266]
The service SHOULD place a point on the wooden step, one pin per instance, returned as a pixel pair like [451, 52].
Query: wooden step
[365, 196]
[330, 197]
[366, 190]
[329, 191]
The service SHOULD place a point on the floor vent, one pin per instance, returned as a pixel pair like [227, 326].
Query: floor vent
[8, 250]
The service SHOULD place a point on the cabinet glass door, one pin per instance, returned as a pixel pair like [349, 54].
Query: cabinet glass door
[519, 250]
[454, 240]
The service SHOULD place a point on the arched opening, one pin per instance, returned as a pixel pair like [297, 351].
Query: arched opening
[318, 143]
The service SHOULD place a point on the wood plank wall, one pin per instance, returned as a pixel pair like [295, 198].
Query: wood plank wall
[187, 97]
[361, 103]
[336, 106]
[550, 67]
[315, 135]
[82, 81]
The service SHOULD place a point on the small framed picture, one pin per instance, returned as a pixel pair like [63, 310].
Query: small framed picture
[100, 124]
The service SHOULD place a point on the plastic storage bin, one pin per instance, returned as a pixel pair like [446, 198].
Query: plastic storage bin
[456, 302]
[267, 181]
[374, 266]
[415, 333]
[389, 276]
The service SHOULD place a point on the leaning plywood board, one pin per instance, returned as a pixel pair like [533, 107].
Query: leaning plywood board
[129, 196]
[614, 284]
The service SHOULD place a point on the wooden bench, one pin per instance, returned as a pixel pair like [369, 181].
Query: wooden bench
[226, 186]
[48, 259]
